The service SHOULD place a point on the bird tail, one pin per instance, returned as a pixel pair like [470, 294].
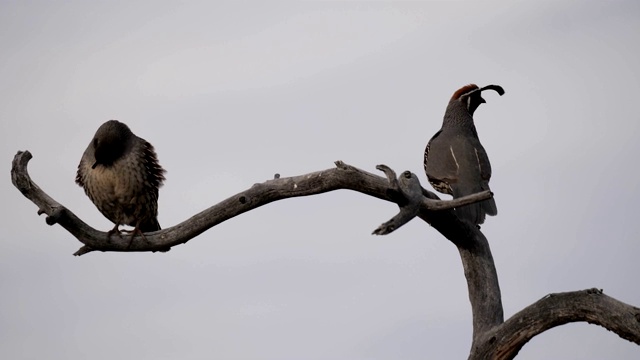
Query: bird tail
[475, 213]
[490, 207]
[472, 213]
[149, 225]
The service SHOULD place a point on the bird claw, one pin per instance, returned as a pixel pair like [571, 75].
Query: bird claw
[134, 232]
[116, 231]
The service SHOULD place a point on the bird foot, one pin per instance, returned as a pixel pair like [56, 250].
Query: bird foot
[134, 232]
[116, 231]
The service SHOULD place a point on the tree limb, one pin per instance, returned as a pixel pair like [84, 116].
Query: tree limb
[342, 177]
[482, 284]
[591, 305]
[493, 338]
[410, 192]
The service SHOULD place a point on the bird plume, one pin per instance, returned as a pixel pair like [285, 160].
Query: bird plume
[464, 90]
[472, 88]
[496, 88]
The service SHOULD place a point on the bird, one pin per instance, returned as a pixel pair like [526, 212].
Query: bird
[120, 173]
[455, 161]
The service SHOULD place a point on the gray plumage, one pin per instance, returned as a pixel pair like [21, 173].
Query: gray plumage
[121, 175]
[455, 161]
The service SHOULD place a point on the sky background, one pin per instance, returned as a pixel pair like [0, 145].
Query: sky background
[232, 93]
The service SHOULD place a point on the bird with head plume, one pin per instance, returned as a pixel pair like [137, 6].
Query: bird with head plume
[455, 161]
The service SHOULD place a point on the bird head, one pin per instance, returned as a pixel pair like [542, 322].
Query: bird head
[110, 142]
[470, 96]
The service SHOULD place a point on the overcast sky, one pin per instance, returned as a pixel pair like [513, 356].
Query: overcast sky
[230, 94]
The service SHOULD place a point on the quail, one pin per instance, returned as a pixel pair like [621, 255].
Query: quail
[455, 161]
[120, 173]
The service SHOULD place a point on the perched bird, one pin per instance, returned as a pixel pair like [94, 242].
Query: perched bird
[121, 175]
[455, 162]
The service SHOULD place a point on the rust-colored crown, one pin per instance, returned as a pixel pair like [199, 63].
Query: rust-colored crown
[463, 90]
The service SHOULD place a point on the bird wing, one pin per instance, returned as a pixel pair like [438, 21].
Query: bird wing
[80, 175]
[474, 175]
[155, 172]
[82, 166]
[489, 205]
[483, 161]
[468, 154]
[440, 160]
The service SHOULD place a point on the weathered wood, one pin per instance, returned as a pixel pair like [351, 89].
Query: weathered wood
[342, 177]
[592, 305]
[493, 338]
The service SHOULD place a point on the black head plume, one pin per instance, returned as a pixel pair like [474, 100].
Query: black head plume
[471, 95]
[496, 88]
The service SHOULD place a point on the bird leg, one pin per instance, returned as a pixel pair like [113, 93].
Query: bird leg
[119, 232]
[133, 234]
[136, 231]
[115, 230]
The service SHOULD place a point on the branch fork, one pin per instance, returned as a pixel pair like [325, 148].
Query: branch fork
[410, 197]
[406, 192]
[493, 338]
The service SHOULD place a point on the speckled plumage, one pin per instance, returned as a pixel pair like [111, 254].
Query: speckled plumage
[455, 161]
[121, 175]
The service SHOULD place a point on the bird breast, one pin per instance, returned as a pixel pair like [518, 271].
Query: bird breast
[118, 181]
[120, 191]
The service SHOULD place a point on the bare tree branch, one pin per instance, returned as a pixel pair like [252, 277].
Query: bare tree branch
[411, 199]
[482, 283]
[493, 338]
[342, 177]
[591, 305]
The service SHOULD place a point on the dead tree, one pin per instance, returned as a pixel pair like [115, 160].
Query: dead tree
[493, 337]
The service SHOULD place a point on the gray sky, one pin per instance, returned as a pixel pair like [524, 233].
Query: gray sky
[230, 94]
